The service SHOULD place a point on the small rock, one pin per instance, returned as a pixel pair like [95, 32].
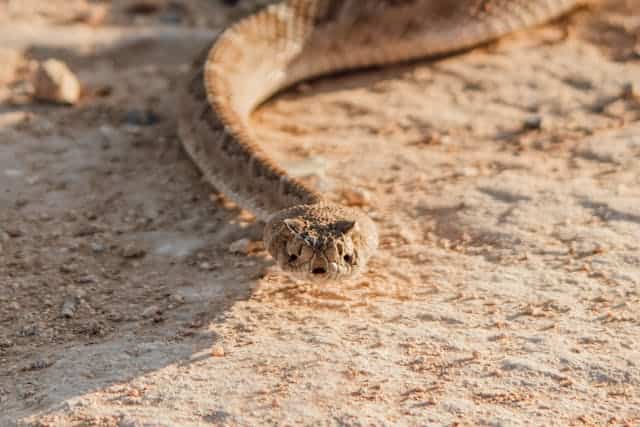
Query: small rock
[356, 197]
[217, 351]
[14, 232]
[205, 266]
[84, 280]
[97, 248]
[67, 268]
[532, 123]
[151, 311]
[241, 246]
[133, 251]
[631, 91]
[579, 82]
[179, 299]
[69, 307]
[55, 82]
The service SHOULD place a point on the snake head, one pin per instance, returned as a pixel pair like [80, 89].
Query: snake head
[321, 242]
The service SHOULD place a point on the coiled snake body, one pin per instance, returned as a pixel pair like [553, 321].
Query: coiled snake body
[298, 40]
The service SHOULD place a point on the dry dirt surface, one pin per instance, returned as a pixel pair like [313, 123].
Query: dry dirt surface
[505, 182]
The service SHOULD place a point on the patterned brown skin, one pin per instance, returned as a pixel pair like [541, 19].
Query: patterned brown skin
[321, 241]
[302, 39]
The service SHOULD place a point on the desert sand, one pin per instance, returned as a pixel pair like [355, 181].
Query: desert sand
[505, 182]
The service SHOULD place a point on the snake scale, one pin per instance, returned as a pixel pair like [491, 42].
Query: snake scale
[296, 40]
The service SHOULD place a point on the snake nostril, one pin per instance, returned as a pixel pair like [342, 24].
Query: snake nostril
[319, 270]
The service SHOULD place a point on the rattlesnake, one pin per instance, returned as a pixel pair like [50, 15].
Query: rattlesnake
[297, 40]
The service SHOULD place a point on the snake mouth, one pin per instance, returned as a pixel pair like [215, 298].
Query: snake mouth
[331, 273]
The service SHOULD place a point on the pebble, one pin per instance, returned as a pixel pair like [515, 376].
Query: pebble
[206, 266]
[532, 123]
[150, 311]
[631, 90]
[14, 232]
[133, 251]
[217, 351]
[55, 82]
[69, 307]
[84, 280]
[97, 248]
[177, 298]
[242, 246]
[67, 268]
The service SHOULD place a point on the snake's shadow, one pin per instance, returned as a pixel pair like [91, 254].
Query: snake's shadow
[120, 159]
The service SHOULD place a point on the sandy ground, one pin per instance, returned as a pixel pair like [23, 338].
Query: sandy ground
[505, 183]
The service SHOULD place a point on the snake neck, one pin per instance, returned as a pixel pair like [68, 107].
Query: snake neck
[215, 132]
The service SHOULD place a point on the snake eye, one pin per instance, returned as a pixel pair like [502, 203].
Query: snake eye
[293, 258]
[348, 258]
